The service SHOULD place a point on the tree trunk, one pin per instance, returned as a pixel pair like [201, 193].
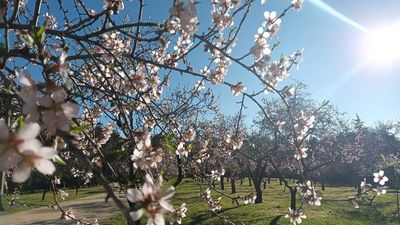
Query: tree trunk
[44, 192]
[241, 181]
[257, 186]
[280, 182]
[249, 181]
[233, 185]
[77, 187]
[269, 180]
[222, 182]
[180, 173]
[293, 192]
[323, 186]
[265, 184]
[202, 179]
[2, 183]
[213, 183]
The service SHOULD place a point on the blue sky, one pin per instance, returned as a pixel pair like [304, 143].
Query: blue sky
[334, 64]
[334, 67]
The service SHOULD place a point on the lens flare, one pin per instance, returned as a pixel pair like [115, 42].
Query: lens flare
[322, 5]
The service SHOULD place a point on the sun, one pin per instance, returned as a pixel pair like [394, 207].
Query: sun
[382, 46]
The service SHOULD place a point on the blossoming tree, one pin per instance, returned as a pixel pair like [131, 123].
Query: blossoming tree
[69, 68]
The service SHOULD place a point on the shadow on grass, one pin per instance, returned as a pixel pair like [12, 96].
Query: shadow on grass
[275, 220]
[370, 214]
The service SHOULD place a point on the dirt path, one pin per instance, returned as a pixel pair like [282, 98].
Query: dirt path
[90, 207]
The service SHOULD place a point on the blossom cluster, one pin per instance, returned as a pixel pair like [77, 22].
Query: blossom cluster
[185, 21]
[56, 111]
[213, 204]
[178, 214]
[303, 124]
[143, 155]
[308, 194]
[216, 175]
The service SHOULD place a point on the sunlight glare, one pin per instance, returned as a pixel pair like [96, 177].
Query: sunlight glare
[382, 46]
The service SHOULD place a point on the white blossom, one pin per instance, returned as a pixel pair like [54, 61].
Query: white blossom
[295, 216]
[153, 199]
[178, 214]
[23, 147]
[380, 177]
[297, 4]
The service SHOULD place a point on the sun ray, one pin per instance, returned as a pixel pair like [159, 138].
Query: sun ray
[328, 91]
[322, 5]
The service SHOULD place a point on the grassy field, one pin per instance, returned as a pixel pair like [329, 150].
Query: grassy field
[35, 200]
[335, 208]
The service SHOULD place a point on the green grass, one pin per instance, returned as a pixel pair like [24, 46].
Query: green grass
[35, 200]
[335, 208]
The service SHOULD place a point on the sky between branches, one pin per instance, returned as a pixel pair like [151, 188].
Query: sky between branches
[334, 66]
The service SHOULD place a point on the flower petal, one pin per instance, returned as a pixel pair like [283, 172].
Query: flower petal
[45, 101]
[29, 131]
[59, 96]
[8, 159]
[29, 147]
[47, 152]
[136, 215]
[70, 109]
[22, 173]
[134, 195]
[45, 166]
[159, 219]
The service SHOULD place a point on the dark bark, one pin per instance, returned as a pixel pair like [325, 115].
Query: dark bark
[293, 192]
[241, 181]
[269, 180]
[265, 184]
[2, 183]
[249, 181]
[358, 190]
[45, 189]
[257, 187]
[180, 173]
[233, 185]
[77, 186]
[323, 186]
[222, 182]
